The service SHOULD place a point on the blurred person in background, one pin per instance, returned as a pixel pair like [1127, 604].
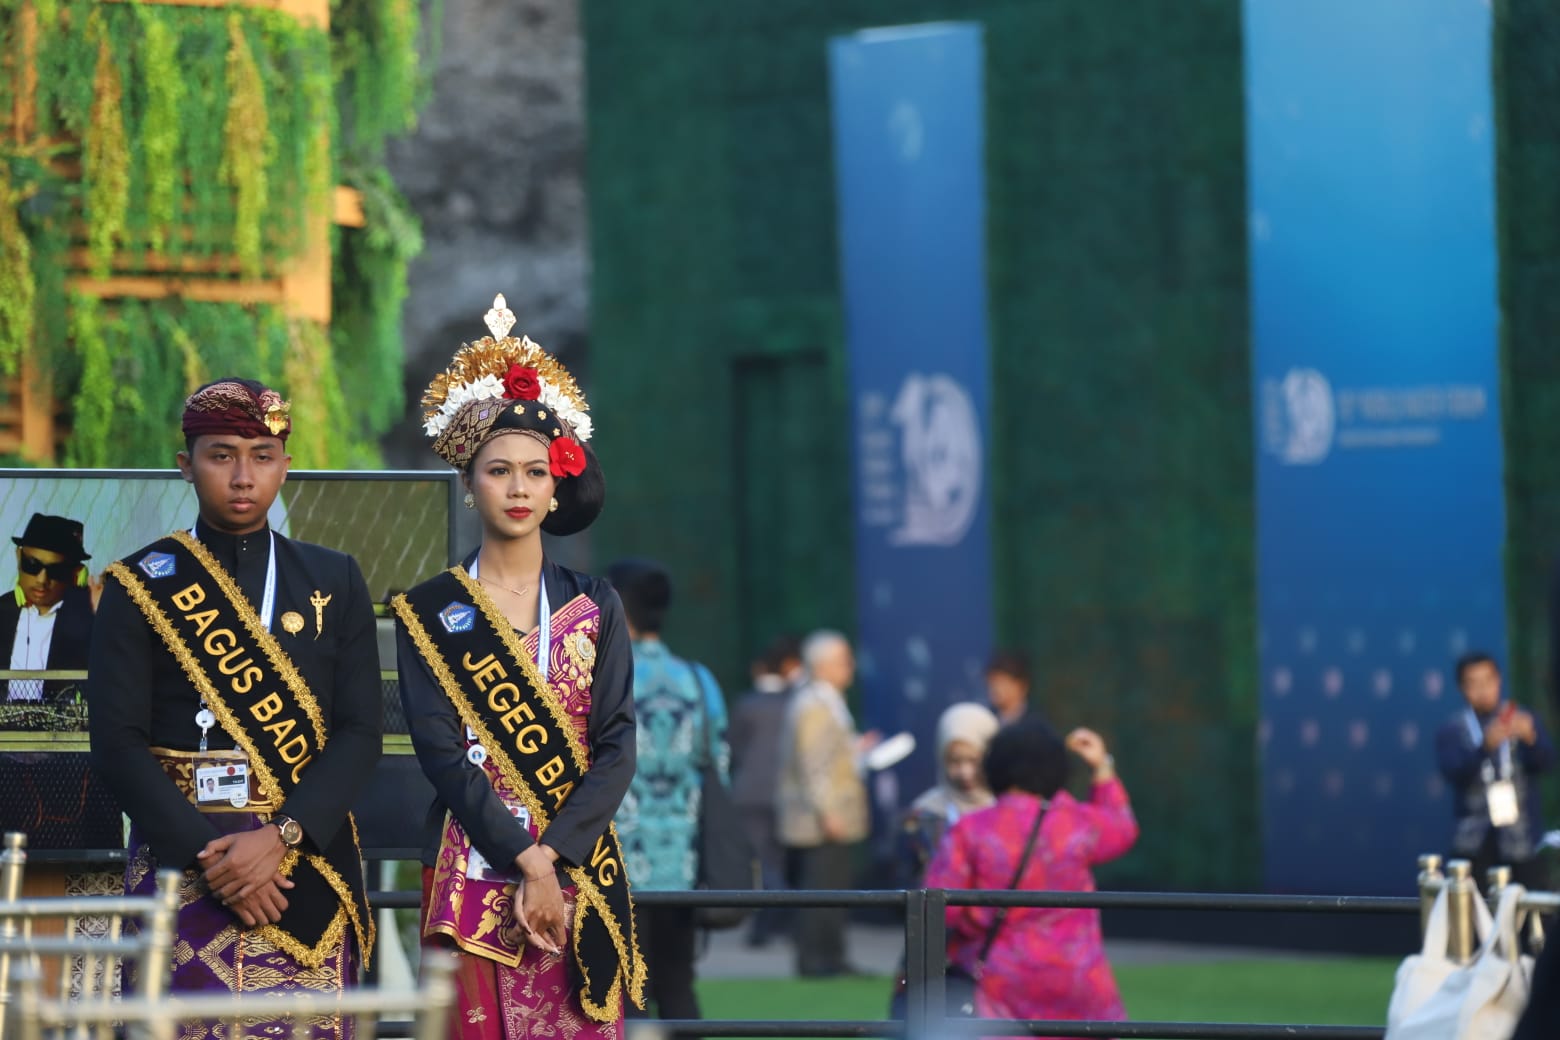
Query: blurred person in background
[681, 713]
[756, 723]
[963, 733]
[1490, 754]
[822, 800]
[1007, 684]
[47, 622]
[1043, 962]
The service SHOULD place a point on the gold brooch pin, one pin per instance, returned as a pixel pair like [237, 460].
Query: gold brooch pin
[319, 600]
[292, 622]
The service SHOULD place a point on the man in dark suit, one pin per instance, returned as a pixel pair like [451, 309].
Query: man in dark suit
[754, 736]
[47, 623]
[230, 650]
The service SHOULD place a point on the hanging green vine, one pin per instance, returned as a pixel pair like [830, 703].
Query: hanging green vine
[316, 393]
[107, 162]
[377, 63]
[98, 392]
[44, 219]
[368, 293]
[163, 83]
[67, 65]
[244, 154]
[17, 288]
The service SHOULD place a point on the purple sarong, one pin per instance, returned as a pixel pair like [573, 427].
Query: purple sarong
[507, 989]
[212, 952]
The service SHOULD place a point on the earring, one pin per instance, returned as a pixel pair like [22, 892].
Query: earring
[471, 500]
[552, 507]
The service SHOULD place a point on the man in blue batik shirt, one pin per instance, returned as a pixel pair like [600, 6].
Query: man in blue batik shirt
[1490, 754]
[681, 717]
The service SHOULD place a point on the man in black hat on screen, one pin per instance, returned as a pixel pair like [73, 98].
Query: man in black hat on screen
[47, 621]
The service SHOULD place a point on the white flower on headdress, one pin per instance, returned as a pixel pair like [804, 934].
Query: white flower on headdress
[564, 409]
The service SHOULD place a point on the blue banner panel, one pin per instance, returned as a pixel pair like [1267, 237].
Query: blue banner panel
[909, 153]
[1379, 474]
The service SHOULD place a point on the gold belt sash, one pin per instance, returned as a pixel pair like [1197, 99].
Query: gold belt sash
[180, 768]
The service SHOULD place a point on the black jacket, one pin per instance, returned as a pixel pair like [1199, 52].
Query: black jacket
[460, 787]
[139, 697]
[70, 643]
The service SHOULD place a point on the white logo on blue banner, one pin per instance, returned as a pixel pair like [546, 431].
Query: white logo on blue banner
[1299, 417]
[941, 451]
[458, 617]
[157, 565]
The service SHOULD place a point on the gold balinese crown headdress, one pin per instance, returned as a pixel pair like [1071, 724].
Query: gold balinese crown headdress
[499, 376]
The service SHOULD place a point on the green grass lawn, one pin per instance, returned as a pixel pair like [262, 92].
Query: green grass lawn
[1343, 991]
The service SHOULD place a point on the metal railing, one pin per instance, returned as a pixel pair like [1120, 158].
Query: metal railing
[148, 946]
[140, 933]
[924, 914]
[32, 1017]
[926, 957]
[926, 963]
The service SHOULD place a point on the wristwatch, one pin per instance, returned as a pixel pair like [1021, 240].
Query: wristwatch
[292, 830]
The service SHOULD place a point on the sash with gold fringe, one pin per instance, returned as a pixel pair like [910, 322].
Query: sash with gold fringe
[262, 702]
[478, 660]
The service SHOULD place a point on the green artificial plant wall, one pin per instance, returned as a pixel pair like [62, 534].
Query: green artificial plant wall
[204, 140]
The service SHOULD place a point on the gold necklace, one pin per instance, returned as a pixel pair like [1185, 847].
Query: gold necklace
[521, 591]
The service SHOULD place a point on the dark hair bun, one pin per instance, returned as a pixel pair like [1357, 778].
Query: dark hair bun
[579, 499]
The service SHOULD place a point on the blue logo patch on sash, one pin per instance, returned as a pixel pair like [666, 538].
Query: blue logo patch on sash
[458, 617]
[157, 565]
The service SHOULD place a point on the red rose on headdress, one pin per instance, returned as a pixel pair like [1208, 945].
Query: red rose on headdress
[522, 384]
[565, 457]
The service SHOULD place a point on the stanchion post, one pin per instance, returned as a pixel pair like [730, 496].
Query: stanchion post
[936, 938]
[438, 985]
[24, 1017]
[13, 863]
[1460, 894]
[156, 967]
[1495, 879]
[1430, 880]
[917, 954]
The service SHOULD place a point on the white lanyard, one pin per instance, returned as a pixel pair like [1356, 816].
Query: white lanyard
[268, 598]
[1477, 733]
[204, 718]
[543, 619]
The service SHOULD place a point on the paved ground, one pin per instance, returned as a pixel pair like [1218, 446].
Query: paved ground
[875, 949]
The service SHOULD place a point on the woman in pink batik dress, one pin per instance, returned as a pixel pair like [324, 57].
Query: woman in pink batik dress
[1043, 962]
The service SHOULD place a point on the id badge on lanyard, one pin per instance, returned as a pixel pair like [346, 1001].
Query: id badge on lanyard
[1500, 792]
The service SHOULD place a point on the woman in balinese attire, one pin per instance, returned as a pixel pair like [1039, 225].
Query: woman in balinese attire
[516, 675]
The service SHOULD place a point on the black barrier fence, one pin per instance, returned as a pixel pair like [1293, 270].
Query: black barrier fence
[926, 963]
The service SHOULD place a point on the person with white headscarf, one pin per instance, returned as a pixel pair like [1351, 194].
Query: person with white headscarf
[963, 731]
